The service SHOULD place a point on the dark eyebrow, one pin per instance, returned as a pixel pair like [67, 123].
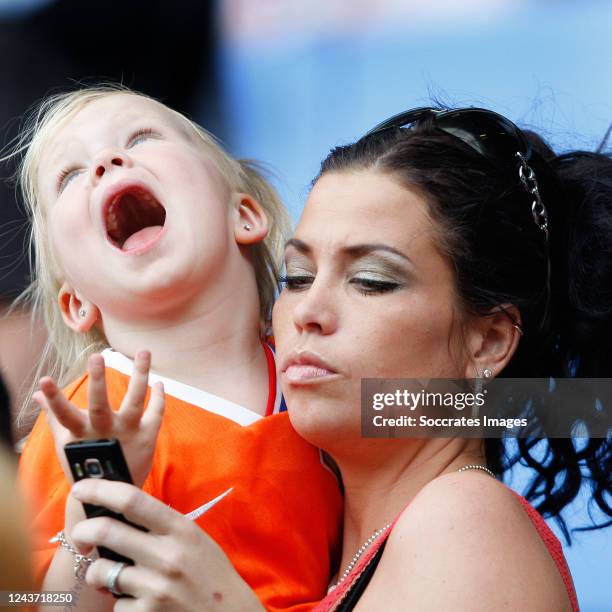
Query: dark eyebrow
[298, 245]
[357, 250]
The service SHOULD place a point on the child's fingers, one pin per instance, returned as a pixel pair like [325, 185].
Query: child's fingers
[66, 414]
[154, 414]
[100, 413]
[132, 406]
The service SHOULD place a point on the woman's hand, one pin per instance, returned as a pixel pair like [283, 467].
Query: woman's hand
[177, 566]
[134, 427]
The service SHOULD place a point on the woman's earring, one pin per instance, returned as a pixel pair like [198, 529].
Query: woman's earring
[479, 386]
[247, 227]
[82, 312]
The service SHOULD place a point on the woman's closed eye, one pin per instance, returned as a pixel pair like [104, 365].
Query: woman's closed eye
[367, 285]
[295, 282]
[370, 285]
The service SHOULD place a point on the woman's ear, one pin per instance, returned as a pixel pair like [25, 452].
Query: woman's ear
[79, 314]
[250, 220]
[492, 339]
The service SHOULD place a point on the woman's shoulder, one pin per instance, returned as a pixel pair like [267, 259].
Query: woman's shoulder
[466, 513]
[464, 499]
[466, 542]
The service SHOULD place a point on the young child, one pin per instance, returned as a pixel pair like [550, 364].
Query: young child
[148, 234]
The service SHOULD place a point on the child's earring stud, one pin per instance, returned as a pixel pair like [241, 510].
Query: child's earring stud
[82, 312]
[247, 227]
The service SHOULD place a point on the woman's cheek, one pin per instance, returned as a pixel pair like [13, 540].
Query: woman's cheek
[281, 318]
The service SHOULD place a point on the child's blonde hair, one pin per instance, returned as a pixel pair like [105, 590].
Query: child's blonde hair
[66, 352]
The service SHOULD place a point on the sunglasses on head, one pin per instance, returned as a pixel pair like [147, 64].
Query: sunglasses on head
[488, 133]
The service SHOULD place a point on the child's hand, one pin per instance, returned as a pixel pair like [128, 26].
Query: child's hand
[134, 427]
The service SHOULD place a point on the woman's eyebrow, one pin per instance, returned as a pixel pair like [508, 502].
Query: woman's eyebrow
[360, 250]
[298, 245]
[355, 251]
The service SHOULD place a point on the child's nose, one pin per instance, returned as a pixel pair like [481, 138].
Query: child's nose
[106, 161]
[101, 169]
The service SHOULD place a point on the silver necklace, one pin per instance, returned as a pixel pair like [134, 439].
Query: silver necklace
[378, 532]
[358, 555]
[473, 466]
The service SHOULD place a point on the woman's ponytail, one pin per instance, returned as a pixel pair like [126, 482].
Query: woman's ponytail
[586, 186]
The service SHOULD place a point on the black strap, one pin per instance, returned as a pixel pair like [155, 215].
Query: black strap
[359, 586]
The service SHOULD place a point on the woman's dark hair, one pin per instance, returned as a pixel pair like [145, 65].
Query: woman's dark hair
[500, 256]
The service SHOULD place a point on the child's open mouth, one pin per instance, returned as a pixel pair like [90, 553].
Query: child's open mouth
[134, 218]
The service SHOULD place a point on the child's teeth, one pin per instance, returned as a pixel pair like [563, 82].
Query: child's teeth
[112, 222]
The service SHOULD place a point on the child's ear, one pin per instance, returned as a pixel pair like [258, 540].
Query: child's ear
[250, 220]
[79, 314]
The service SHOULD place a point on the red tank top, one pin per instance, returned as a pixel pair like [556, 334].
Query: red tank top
[548, 537]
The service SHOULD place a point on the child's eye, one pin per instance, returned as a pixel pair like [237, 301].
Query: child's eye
[140, 136]
[370, 286]
[65, 177]
[295, 283]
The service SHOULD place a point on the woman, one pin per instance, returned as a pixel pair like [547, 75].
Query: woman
[440, 245]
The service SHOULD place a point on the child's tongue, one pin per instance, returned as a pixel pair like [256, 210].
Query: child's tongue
[142, 237]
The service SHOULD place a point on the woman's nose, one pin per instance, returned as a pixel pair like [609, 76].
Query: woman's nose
[107, 160]
[316, 310]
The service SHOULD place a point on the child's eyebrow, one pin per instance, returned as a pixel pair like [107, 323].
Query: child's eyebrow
[55, 153]
[118, 120]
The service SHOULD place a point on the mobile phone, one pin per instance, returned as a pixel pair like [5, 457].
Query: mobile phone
[100, 459]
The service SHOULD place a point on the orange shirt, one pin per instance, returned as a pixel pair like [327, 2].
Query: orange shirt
[257, 488]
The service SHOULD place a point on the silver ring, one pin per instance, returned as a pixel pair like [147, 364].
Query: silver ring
[113, 576]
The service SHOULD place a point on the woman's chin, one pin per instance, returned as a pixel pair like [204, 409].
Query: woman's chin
[320, 423]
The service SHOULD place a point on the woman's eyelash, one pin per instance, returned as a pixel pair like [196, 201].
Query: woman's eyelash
[142, 133]
[367, 286]
[370, 286]
[293, 283]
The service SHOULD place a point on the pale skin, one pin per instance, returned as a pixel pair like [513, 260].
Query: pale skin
[191, 298]
[179, 298]
[369, 294]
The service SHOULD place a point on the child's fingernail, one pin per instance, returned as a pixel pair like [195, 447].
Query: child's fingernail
[96, 360]
[47, 385]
